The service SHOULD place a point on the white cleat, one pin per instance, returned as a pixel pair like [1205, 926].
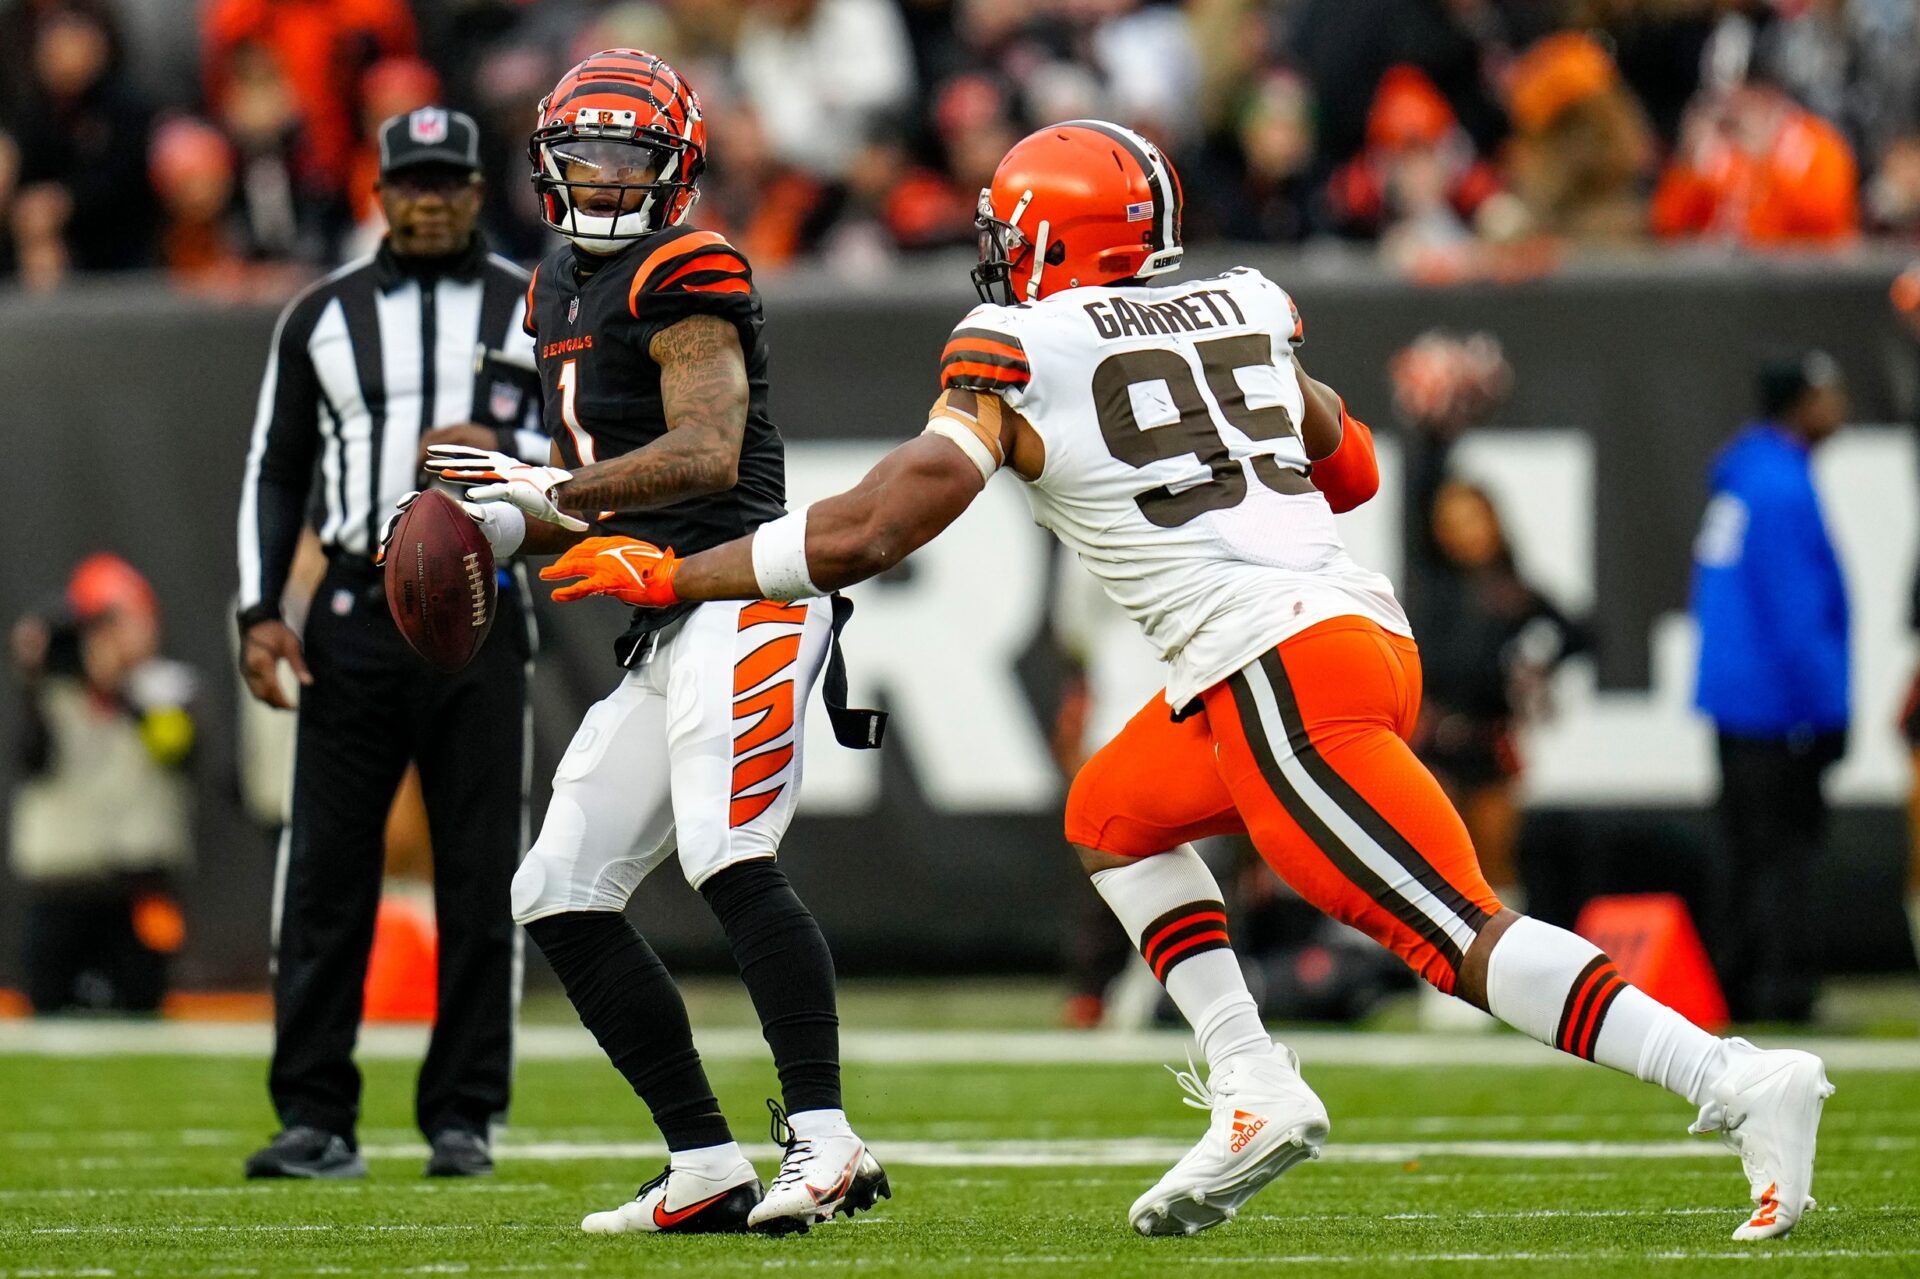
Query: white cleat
[683, 1202]
[1265, 1120]
[818, 1177]
[1766, 1108]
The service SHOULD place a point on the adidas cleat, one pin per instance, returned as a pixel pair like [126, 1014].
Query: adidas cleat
[819, 1177]
[1766, 1108]
[683, 1202]
[1264, 1121]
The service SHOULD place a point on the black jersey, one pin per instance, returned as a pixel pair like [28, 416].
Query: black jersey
[602, 388]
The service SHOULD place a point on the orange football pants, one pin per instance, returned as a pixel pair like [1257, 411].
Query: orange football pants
[1305, 750]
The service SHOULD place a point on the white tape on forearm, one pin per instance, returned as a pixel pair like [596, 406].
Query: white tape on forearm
[780, 558]
[972, 445]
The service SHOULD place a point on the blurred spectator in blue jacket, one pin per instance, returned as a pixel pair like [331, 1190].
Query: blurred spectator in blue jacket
[1772, 610]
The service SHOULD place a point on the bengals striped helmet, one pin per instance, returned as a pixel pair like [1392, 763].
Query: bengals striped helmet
[1084, 202]
[617, 149]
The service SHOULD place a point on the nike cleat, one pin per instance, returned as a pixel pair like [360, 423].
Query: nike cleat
[1766, 1108]
[1264, 1121]
[685, 1203]
[818, 1177]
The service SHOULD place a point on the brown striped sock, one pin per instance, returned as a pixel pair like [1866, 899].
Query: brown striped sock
[1170, 905]
[1562, 990]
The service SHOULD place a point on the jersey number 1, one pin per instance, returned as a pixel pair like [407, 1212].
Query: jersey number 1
[1195, 433]
[570, 412]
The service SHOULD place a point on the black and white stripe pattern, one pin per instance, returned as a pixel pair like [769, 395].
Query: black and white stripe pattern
[362, 364]
[1162, 187]
[1353, 835]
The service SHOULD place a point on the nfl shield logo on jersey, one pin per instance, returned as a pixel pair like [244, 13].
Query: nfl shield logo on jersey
[504, 400]
[573, 310]
[428, 125]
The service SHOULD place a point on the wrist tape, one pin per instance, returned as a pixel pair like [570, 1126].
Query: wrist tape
[780, 558]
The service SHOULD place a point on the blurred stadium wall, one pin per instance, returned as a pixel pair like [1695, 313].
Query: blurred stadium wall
[129, 408]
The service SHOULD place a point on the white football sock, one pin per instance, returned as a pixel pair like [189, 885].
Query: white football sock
[1561, 989]
[715, 1163]
[820, 1123]
[1171, 908]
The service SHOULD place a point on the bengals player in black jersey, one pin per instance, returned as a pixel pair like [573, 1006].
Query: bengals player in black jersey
[648, 338]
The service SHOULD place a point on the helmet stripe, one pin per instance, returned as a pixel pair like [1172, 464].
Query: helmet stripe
[612, 88]
[1135, 146]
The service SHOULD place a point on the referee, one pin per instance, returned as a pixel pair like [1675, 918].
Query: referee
[419, 344]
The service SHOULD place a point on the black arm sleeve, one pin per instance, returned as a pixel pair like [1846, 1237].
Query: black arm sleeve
[33, 740]
[1426, 462]
[286, 436]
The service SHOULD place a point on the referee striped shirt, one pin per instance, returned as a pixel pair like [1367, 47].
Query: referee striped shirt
[363, 363]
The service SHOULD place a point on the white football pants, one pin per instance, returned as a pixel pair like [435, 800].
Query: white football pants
[697, 749]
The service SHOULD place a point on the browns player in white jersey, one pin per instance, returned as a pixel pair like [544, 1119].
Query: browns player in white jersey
[1168, 433]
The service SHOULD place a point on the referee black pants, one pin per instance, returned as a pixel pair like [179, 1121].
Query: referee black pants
[374, 706]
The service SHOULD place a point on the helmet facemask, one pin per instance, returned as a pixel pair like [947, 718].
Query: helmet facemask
[604, 182]
[1003, 248]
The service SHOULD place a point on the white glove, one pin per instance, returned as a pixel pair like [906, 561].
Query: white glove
[503, 524]
[497, 477]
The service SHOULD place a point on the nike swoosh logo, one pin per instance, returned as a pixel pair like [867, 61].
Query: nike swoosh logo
[840, 1186]
[667, 1220]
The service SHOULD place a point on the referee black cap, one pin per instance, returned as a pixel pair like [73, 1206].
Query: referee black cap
[1784, 378]
[429, 136]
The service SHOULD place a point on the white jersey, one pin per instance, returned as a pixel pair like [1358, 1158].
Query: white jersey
[1174, 466]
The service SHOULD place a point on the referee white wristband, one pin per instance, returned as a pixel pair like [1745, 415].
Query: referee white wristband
[780, 558]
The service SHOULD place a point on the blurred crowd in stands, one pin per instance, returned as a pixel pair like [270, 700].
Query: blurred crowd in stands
[1462, 137]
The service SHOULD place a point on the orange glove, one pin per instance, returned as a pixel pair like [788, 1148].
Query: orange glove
[624, 567]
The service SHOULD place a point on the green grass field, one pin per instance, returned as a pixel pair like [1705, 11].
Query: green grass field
[128, 1165]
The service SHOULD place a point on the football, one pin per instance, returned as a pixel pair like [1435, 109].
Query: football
[440, 581]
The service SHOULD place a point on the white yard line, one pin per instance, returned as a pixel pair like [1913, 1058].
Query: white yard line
[308, 1227]
[1471, 1258]
[1119, 1152]
[1751, 1256]
[1862, 1129]
[257, 1189]
[705, 1264]
[907, 1047]
[1123, 1152]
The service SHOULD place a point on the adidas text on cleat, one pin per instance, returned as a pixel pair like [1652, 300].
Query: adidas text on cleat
[819, 1177]
[1264, 1121]
[1766, 1108]
[683, 1202]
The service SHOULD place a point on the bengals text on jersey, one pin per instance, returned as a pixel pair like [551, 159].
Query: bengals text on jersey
[592, 330]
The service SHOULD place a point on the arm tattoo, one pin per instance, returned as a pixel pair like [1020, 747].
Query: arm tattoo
[703, 392]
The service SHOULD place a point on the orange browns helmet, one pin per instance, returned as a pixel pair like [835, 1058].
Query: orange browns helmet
[617, 149]
[1084, 202]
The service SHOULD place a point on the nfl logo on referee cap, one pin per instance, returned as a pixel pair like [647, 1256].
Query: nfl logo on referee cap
[428, 125]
